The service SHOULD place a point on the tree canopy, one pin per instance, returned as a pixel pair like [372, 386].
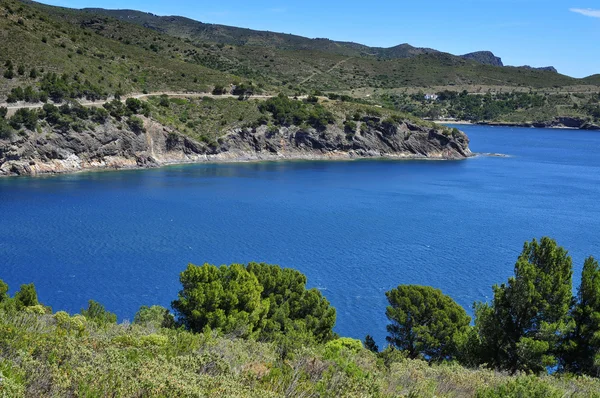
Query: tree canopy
[521, 328]
[259, 300]
[291, 305]
[583, 343]
[227, 298]
[425, 322]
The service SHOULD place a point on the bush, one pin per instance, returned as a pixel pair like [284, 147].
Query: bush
[219, 90]
[524, 386]
[24, 117]
[96, 312]
[136, 124]
[350, 126]
[6, 130]
[3, 291]
[288, 112]
[155, 316]
[26, 296]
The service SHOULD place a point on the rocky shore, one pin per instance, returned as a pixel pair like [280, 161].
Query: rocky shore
[557, 123]
[108, 147]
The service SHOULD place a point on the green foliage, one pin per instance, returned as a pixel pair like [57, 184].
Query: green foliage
[343, 343]
[226, 298]
[521, 329]
[96, 312]
[524, 386]
[155, 316]
[6, 130]
[24, 117]
[583, 343]
[258, 300]
[136, 124]
[3, 291]
[425, 322]
[291, 305]
[287, 112]
[371, 345]
[26, 296]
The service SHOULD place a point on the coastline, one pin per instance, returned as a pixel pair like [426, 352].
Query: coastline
[127, 164]
[571, 124]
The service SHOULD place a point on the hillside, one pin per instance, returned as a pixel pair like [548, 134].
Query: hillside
[196, 55]
[286, 45]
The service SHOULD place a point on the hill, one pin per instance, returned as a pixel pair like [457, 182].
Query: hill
[133, 51]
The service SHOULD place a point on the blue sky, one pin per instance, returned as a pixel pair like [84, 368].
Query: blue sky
[564, 34]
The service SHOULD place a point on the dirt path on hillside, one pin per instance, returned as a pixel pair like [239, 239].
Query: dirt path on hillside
[12, 109]
[327, 71]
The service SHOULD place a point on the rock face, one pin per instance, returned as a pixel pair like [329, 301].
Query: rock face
[542, 68]
[484, 57]
[107, 147]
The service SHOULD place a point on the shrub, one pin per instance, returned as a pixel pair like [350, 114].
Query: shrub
[350, 126]
[6, 131]
[155, 316]
[524, 386]
[136, 124]
[3, 291]
[26, 296]
[96, 312]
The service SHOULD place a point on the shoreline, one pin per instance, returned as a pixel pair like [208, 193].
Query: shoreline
[534, 125]
[214, 159]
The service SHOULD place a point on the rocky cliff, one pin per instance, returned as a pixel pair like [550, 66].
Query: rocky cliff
[106, 146]
[484, 57]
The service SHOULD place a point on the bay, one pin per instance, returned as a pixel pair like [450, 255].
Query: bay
[356, 228]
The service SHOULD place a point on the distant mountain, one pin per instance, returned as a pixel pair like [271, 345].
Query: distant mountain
[543, 68]
[187, 28]
[484, 57]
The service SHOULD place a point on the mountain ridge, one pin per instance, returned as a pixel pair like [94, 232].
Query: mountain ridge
[224, 34]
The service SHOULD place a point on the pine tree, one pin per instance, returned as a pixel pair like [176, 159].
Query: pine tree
[583, 347]
[522, 328]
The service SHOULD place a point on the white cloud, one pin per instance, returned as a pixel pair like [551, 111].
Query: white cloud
[588, 12]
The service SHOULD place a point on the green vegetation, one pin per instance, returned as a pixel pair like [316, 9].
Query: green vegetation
[259, 300]
[523, 327]
[99, 53]
[286, 112]
[256, 330]
[510, 107]
[74, 116]
[425, 322]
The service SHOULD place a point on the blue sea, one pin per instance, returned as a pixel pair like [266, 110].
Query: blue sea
[356, 228]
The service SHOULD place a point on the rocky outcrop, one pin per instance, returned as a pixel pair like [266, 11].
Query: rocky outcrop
[484, 57]
[109, 147]
[541, 68]
[559, 122]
